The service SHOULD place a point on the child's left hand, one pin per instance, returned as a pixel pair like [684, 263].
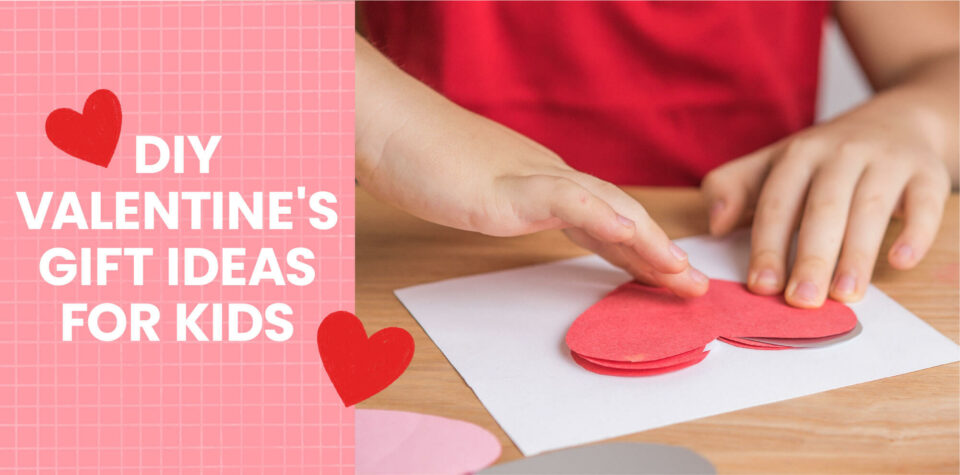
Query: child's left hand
[839, 183]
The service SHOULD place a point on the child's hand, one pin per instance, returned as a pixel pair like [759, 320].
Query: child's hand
[839, 183]
[438, 161]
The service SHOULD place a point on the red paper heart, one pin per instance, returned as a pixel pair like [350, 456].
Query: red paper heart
[670, 361]
[357, 366]
[617, 371]
[91, 136]
[636, 323]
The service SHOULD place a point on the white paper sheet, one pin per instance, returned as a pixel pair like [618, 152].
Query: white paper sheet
[504, 332]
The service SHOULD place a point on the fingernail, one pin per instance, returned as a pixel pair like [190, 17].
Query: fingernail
[626, 222]
[904, 253]
[846, 284]
[767, 278]
[805, 291]
[698, 276]
[677, 252]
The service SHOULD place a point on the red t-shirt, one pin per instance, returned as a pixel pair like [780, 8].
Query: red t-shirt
[654, 93]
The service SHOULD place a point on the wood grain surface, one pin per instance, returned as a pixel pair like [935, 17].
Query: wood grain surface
[908, 423]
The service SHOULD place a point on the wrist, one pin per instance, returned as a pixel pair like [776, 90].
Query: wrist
[923, 108]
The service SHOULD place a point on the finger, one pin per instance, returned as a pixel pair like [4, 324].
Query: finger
[611, 253]
[690, 283]
[821, 231]
[873, 203]
[923, 202]
[650, 242]
[731, 190]
[573, 205]
[777, 214]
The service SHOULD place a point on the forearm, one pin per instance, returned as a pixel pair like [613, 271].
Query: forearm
[406, 131]
[423, 153]
[380, 87]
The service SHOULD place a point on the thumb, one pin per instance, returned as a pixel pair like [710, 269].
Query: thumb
[731, 189]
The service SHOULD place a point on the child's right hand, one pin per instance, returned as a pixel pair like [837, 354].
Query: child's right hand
[442, 163]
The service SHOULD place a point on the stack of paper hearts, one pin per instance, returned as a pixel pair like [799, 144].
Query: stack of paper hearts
[638, 330]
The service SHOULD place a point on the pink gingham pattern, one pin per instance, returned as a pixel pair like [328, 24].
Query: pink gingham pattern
[276, 81]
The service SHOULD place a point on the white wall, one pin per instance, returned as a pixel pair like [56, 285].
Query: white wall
[842, 84]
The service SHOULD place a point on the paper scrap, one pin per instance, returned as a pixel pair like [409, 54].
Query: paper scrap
[392, 442]
[807, 342]
[609, 459]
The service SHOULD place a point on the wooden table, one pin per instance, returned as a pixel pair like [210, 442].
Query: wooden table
[907, 423]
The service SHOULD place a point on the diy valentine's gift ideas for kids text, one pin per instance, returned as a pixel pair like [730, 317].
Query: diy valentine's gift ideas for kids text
[188, 266]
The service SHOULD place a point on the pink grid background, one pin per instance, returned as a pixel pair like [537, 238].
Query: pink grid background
[276, 80]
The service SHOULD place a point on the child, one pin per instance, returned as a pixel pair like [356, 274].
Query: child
[665, 93]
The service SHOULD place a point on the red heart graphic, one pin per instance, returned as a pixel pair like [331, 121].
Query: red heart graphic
[360, 367]
[91, 136]
[638, 330]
